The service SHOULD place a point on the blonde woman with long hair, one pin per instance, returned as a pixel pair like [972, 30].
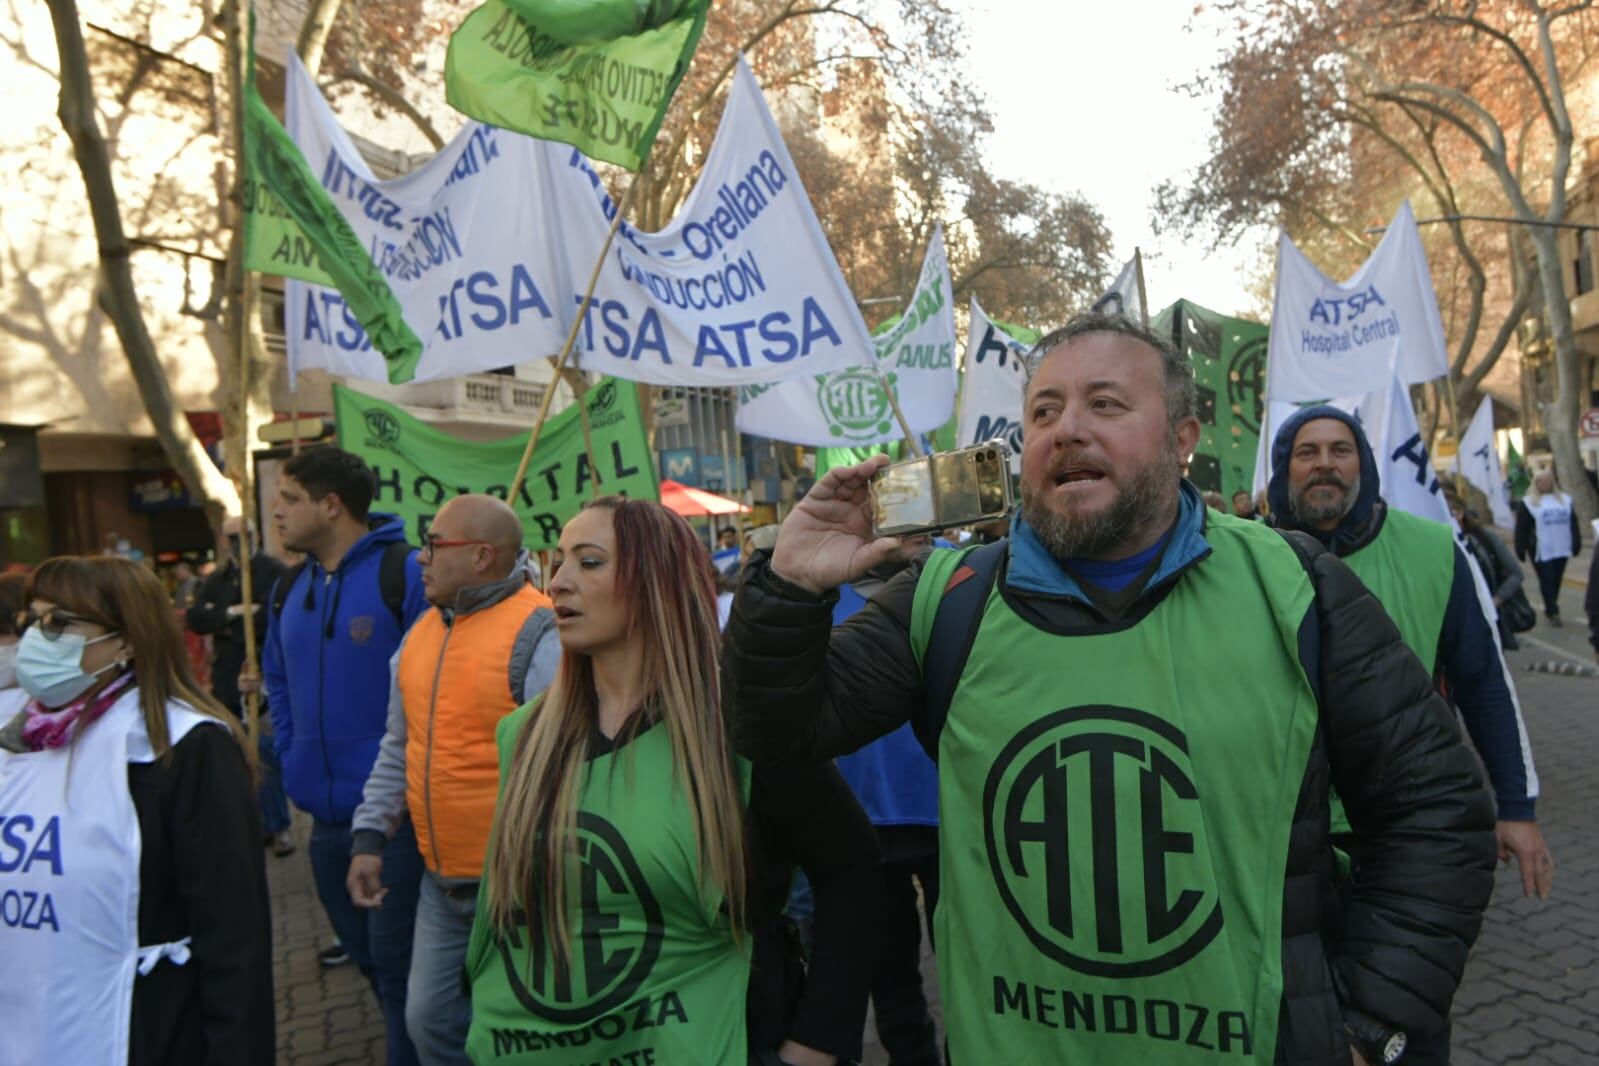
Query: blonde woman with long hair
[1547, 532]
[637, 869]
[130, 842]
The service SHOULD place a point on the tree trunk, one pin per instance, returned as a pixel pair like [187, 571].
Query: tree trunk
[319, 16]
[1562, 416]
[116, 294]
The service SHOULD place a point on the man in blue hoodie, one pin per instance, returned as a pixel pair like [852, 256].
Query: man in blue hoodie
[335, 622]
[1325, 482]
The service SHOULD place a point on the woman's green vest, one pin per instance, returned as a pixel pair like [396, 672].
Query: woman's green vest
[654, 973]
[1115, 812]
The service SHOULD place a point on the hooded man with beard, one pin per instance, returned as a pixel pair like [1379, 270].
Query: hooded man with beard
[1148, 704]
[1325, 483]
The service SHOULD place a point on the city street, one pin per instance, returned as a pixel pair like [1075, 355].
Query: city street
[1532, 988]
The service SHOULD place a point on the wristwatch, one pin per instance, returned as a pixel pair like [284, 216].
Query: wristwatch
[1379, 1044]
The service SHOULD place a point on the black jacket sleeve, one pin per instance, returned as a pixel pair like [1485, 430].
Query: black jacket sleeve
[1423, 820]
[1526, 533]
[806, 816]
[220, 875]
[800, 689]
[210, 611]
[1475, 671]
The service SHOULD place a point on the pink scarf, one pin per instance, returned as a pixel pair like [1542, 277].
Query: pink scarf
[45, 728]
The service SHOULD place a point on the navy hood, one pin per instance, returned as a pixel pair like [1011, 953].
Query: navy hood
[1354, 523]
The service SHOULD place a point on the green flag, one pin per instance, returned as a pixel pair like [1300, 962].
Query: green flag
[1229, 360]
[595, 74]
[418, 467]
[293, 229]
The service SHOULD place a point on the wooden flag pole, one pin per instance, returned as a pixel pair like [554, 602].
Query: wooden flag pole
[1143, 297]
[571, 337]
[252, 700]
[904, 426]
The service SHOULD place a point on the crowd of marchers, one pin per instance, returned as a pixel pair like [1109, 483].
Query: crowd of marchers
[1154, 779]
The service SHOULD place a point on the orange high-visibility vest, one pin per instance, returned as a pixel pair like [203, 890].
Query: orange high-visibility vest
[455, 687]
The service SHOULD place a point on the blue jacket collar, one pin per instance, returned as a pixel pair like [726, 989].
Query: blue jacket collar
[1034, 571]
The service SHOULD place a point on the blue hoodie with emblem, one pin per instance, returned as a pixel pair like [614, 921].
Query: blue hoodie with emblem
[325, 667]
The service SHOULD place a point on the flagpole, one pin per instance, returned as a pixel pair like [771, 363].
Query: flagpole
[571, 338]
[252, 700]
[1138, 272]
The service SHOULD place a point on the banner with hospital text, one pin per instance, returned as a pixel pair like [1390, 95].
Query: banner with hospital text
[1339, 339]
[915, 358]
[995, 374]
[597, 75]
[418, 467]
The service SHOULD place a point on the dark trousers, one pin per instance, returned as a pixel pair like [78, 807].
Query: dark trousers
[1549, 577]
[379, 942]
[274, 804]
[903, 1023]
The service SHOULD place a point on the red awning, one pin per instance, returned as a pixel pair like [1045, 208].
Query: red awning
[689, 502]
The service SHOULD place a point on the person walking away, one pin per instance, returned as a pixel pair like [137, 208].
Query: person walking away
[12, 604]
[333, 624]
[637, 870]
[1134, 860]
[1547, 532]
[1498, 564]
[141, 931]
[897, 785]
[485, 647]
[218, 613]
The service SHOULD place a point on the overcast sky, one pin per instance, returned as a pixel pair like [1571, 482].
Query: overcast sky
[1085, 98]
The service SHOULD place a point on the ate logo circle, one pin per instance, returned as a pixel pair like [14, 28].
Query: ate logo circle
[1095, 834]
[616, 929]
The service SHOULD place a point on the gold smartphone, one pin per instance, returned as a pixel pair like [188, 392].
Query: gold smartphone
[942, 491]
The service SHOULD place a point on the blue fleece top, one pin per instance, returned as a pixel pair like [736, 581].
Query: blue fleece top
[1468, 655]
[326, 671]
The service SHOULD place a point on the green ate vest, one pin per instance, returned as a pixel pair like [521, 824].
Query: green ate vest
[1115, 812]
[1410, 567]
[655, 973]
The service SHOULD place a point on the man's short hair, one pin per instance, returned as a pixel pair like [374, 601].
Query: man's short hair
[1242, 492]
[326, 469]
[1182, 396]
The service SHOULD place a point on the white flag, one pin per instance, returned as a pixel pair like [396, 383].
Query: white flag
[1126, 294]
[462, 240]
[991, 390]
[916, 358]
[741, 287]
[1332, 339]
[1478, 462]
[489, 245]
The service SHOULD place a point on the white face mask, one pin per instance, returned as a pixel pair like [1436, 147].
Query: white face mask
[8, 666]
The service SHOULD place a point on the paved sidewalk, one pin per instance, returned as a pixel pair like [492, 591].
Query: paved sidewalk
[1531, 993]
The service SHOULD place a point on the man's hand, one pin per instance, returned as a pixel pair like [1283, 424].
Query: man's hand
[827, 539]
[1525, 841]
[365, 881]
[796, 1054]
[1357, 1058]
[249, 681]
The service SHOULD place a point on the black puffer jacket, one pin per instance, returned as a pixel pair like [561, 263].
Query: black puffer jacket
[1395, 946]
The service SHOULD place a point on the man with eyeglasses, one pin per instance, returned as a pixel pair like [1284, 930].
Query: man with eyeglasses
[487, 646]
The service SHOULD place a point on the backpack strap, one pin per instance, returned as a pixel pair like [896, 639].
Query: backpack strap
[280, 588]
[391, 579]
[949, 606]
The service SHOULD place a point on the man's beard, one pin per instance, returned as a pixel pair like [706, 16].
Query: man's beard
[1314, 514]
[1135, 509]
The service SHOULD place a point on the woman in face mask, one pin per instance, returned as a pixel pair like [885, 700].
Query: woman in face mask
[11, 604]
[130, 872]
